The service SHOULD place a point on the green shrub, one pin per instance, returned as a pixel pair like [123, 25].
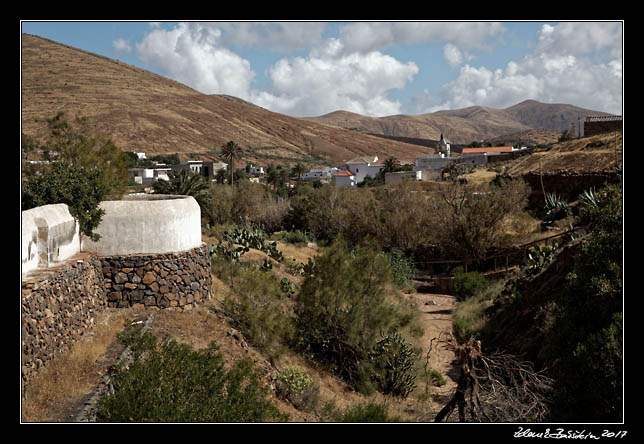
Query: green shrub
[81, 188]
[464, 329]
[260, 309]
[588, 331]
[172, 383]
[469, 316]
[295, 237]
[369, 412]
[292, 381]
[436, 378]
[403, 269]
[341, 310]
[393, 360]
[468, 284]
[297, 387]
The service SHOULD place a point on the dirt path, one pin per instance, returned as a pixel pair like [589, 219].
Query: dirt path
[436, 318]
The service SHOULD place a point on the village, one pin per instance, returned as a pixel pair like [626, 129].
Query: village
[424, 167]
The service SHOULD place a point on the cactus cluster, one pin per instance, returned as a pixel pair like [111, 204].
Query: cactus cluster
[240, 240]
[288, 287]
[540, 257]
[394, 360]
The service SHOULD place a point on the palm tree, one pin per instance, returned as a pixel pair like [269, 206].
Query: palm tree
[185, 183]
[299, 169]
[231, 151]
[391, 165]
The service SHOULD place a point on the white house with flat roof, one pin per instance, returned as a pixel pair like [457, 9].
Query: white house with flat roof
[319, 173]
[364, 166]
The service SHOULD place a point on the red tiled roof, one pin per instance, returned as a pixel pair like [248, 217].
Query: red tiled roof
[497, 149]
[343, 173]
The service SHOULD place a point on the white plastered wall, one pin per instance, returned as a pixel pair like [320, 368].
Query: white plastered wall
[49, 235]
[147, 223]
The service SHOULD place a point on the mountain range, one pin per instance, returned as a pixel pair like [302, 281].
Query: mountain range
[145, 112]
[466, 125]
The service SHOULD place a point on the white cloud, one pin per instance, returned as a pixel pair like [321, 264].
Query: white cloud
[327, 79]
[330, 79]
[121, 45]
[192, 54]
[454, 55]
[564, 68]
[578, 38]
[577, 63]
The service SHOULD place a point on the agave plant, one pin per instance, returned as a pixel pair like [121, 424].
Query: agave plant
[589, 198]
[556, 208]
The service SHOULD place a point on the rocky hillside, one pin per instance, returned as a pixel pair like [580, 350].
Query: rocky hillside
[142, 111]
[463, 126]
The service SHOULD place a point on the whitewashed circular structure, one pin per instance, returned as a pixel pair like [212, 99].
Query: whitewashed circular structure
[147, 224]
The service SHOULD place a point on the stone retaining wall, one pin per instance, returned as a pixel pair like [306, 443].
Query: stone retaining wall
[167, 280]
[59, 305]
[600, 126]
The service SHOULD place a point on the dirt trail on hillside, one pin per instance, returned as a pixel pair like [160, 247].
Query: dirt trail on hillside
[436, 319]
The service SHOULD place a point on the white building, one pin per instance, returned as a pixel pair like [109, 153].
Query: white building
[364, 166]
[202, 167]
[162, 173]
[193, 165]
[444, 146]
[319, 173]
[141, 175]
[344, 178]
[146, 176]
[255, 170]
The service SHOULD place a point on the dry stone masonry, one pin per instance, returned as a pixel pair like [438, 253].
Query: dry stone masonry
[59, 306]
[150, 256]
[162, 281]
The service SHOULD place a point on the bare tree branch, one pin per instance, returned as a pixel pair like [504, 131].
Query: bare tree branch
[498, 387]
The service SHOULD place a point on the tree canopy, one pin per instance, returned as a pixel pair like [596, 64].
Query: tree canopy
[81, 189]
[231, 151]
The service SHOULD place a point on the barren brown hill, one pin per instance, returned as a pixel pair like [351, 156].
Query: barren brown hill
[599, 154]
[145, 112]
[531, 137]
[463, 126]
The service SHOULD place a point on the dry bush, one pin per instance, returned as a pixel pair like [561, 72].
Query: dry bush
[472, 217]
[497, 387]
[403, 219]
[270, 214]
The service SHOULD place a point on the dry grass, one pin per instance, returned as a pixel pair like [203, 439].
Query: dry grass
[65, 380]
[480, 176]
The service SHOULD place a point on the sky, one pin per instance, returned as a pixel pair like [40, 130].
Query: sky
[311, 68]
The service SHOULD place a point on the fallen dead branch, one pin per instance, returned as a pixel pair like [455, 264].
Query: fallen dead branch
[498, 387]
